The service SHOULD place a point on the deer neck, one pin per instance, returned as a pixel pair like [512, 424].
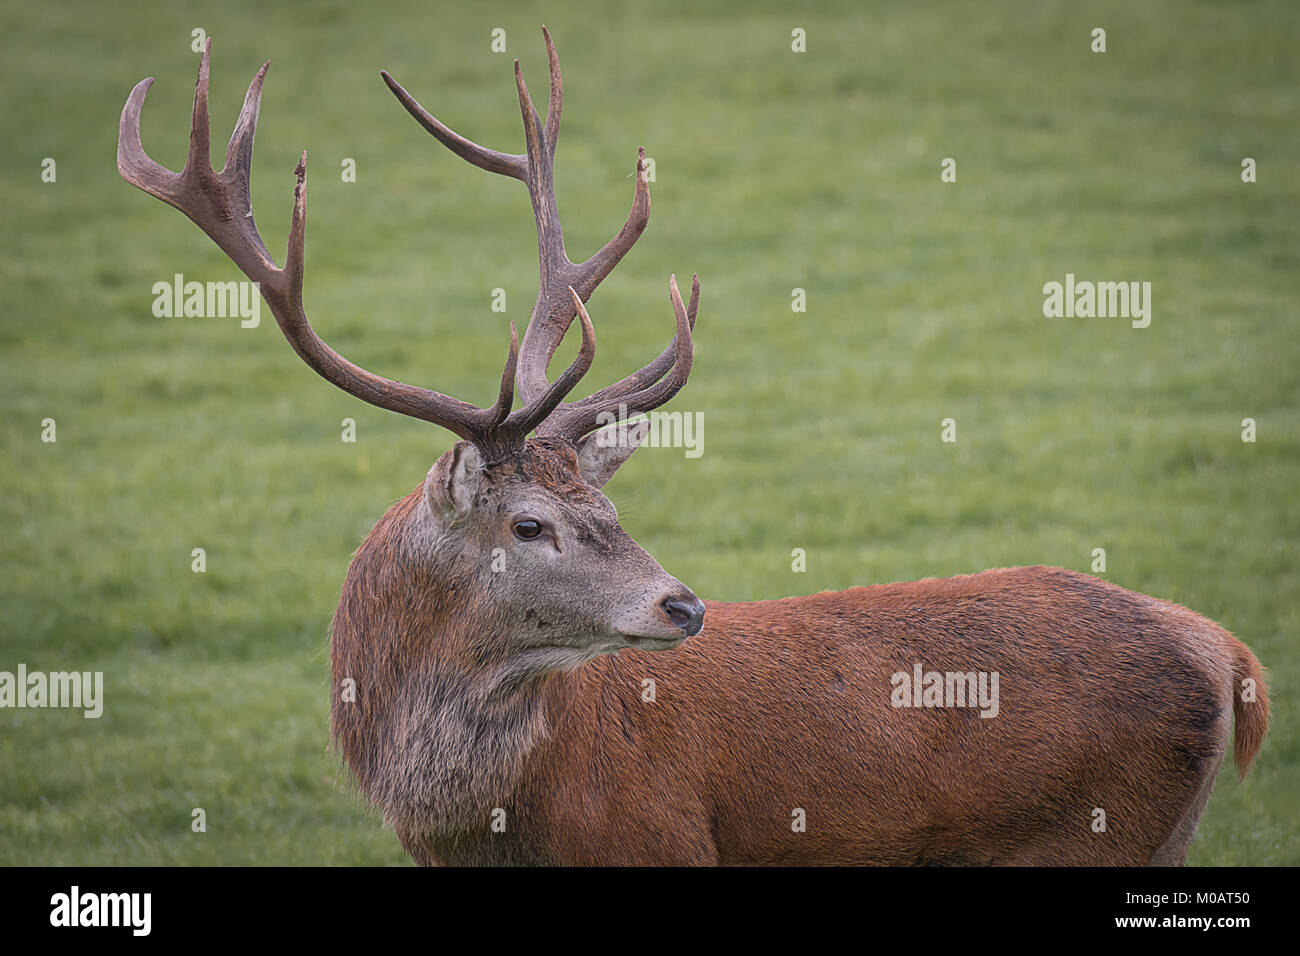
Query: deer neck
[444, 725]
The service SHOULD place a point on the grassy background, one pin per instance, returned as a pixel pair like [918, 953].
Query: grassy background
[774, 170]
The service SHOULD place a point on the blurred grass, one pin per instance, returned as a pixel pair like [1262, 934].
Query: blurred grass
[774, 170]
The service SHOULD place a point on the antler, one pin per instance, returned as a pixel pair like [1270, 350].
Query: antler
[219, 204]
[564, 285]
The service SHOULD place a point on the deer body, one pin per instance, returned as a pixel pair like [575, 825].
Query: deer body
[499, 635]
[1108, 699]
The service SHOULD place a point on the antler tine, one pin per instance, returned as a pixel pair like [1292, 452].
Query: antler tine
[556, 104]
[199, 156]
[133, 163]
[543, 407]
[645, 376]
[507, 164]
[594, 270]
[506, 394]
[642, 391]
[218, 203]
[552, 260]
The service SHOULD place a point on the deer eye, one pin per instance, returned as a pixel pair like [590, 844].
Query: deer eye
[527, 529]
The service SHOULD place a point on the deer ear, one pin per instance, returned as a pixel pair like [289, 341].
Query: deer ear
[452, 482]
[603, 452]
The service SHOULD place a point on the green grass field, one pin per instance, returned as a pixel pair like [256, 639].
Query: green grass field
[774, 170]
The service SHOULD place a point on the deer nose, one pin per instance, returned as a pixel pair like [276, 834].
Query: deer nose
[687, 613]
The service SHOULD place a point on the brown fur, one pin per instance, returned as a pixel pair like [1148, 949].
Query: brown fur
[1108, 699]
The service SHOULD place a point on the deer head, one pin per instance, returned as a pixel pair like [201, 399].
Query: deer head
[577, 585]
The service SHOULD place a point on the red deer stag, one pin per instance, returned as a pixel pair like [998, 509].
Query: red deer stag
[495, 721]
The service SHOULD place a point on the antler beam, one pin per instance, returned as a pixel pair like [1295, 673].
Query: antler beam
[219, 204]
[554, 310]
